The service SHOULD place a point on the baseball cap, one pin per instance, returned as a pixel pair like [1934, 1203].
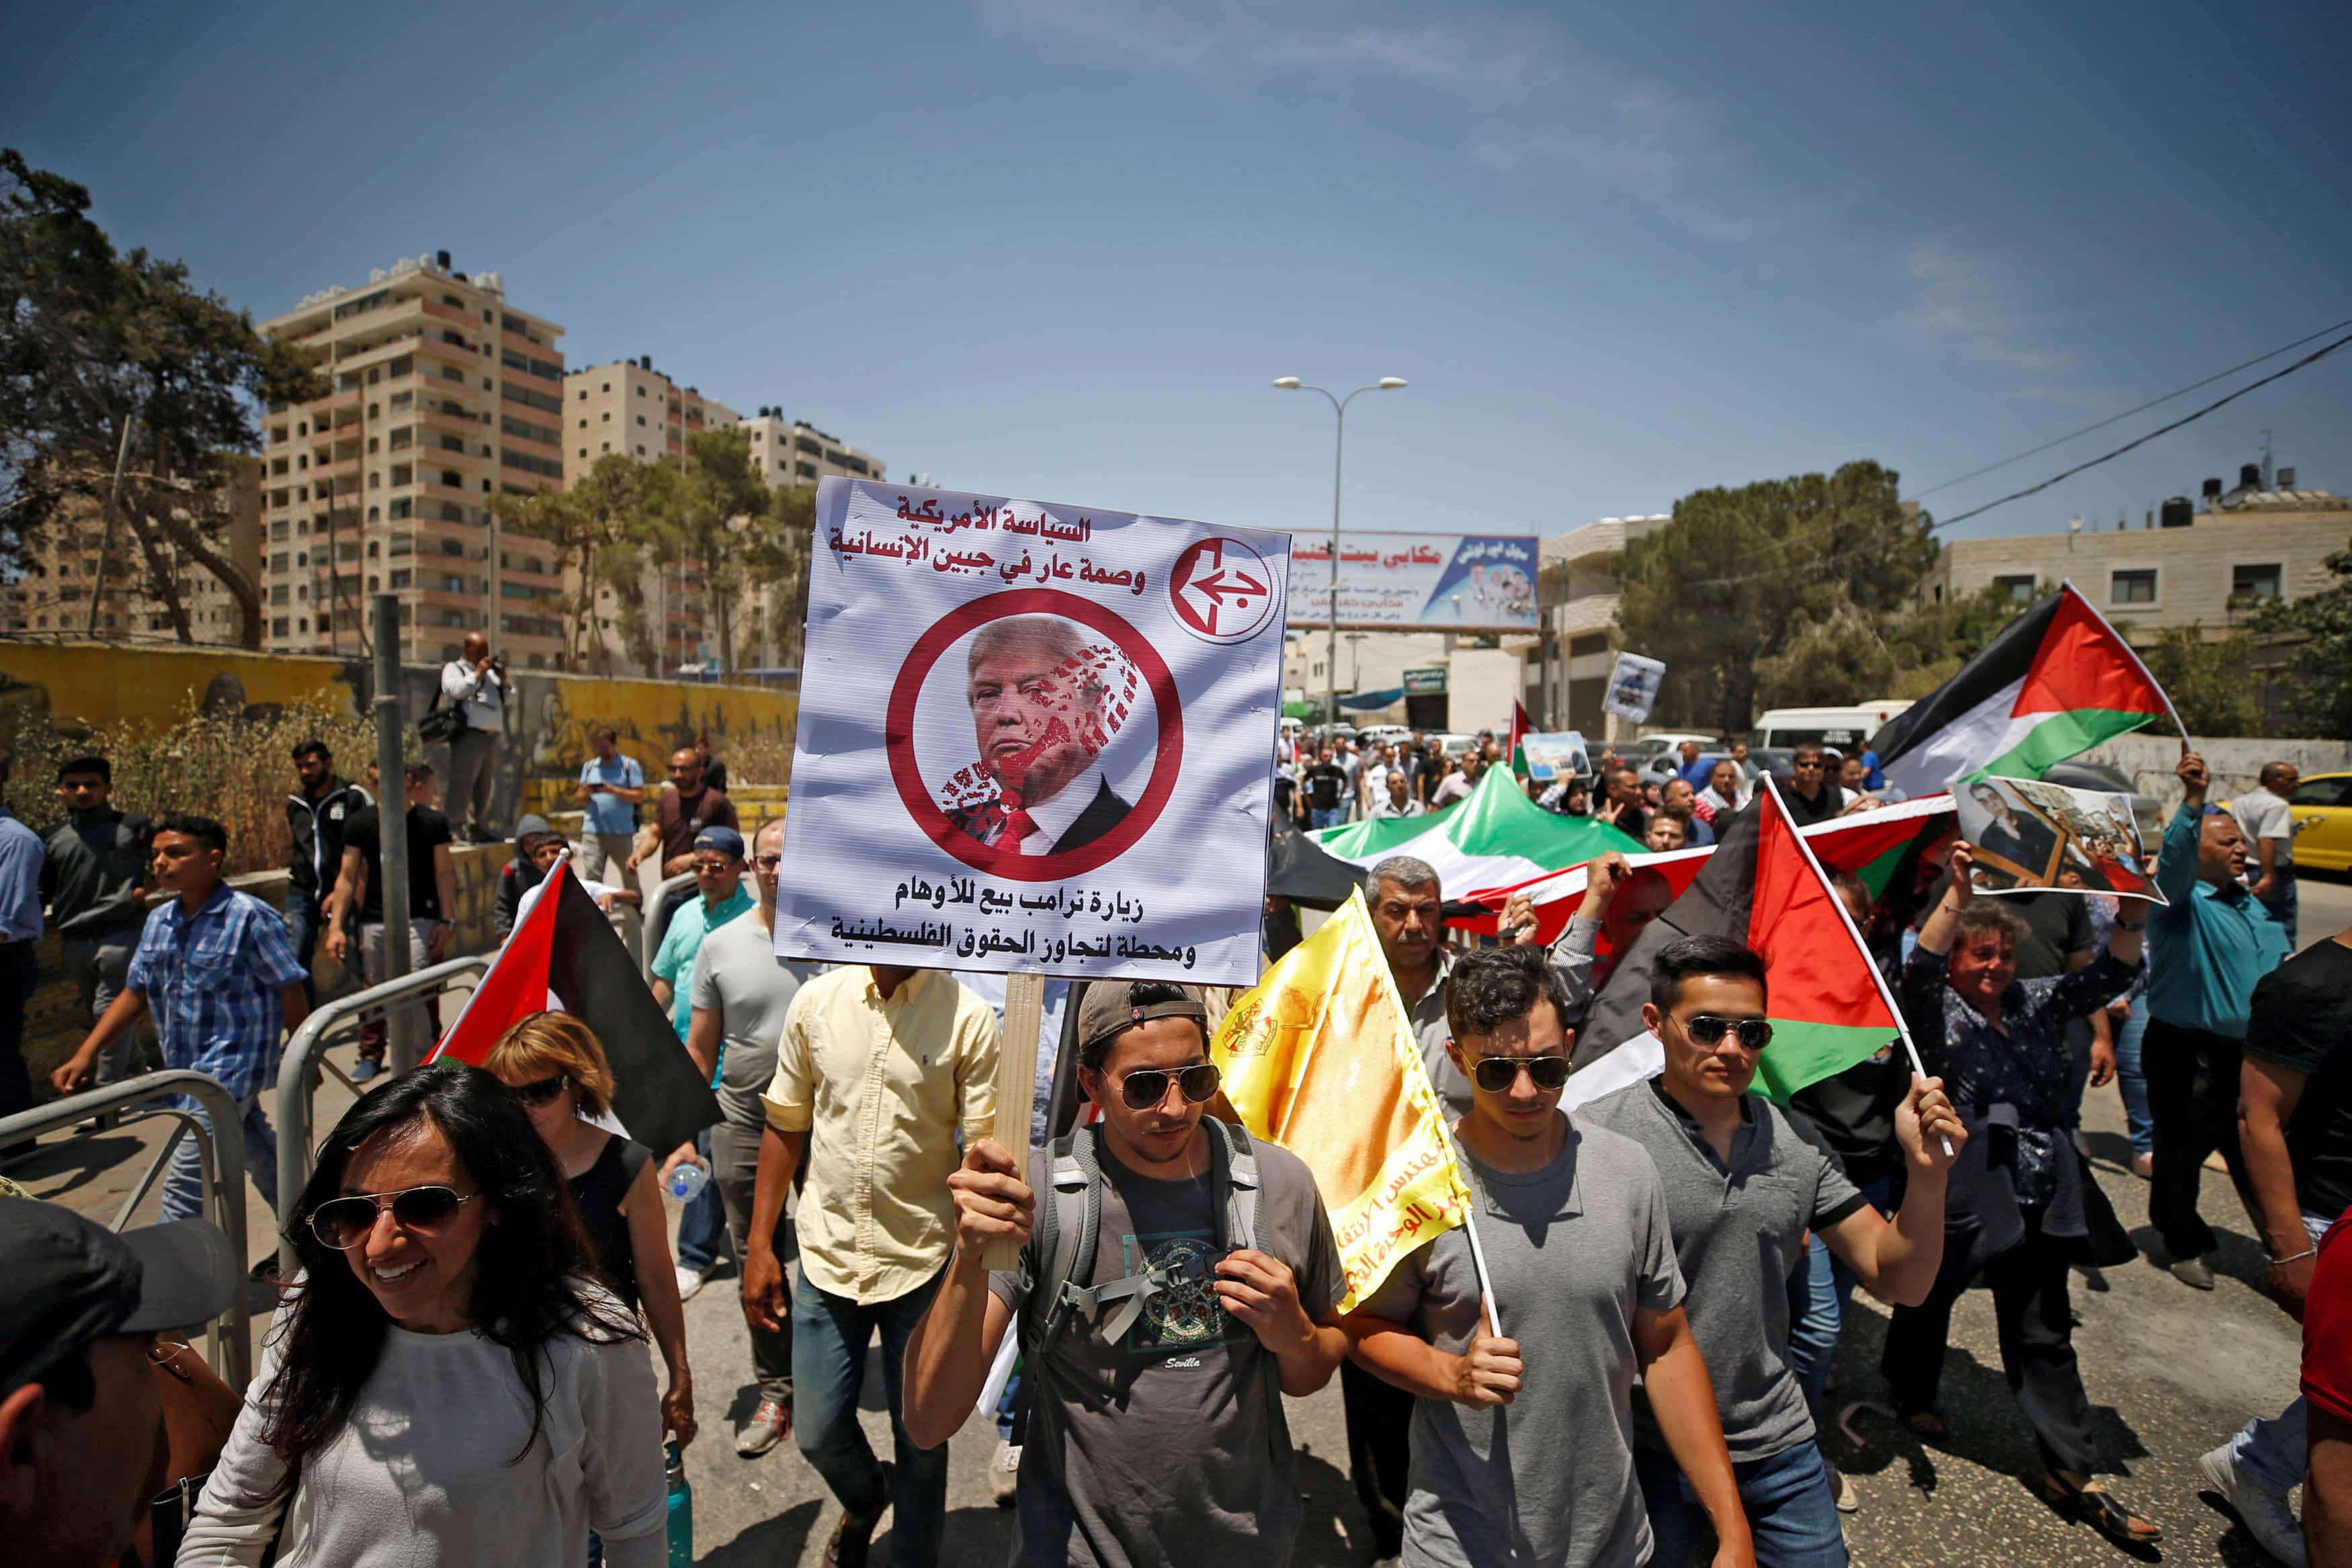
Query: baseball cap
[726, 841]
[65, 1281]
[1108, 1007]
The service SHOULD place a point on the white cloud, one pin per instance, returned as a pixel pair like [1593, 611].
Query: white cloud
[1962, 305]
[1648, 149]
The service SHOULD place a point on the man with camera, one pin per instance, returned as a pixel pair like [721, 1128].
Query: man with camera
[475, 684]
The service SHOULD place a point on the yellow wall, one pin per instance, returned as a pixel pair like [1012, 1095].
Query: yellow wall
[80, 686]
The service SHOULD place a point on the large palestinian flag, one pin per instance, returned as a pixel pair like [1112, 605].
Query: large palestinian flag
[566, 953]
[1495, 838]
[2056, 681]
[1762, 886]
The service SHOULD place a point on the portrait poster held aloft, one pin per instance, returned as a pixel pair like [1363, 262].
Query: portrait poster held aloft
[2034, 837]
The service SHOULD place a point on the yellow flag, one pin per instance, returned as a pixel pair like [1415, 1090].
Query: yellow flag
[1321, 1059]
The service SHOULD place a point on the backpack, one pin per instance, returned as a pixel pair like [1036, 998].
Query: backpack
[1069, 1226]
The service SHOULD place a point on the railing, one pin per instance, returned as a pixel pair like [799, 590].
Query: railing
[397, 1002]
[223, 1162]
[656, 916]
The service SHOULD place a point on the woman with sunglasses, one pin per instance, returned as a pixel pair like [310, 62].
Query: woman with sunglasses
[444, 1382]
[555, 1065]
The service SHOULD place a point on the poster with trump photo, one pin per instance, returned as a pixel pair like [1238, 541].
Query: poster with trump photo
[1033, 737]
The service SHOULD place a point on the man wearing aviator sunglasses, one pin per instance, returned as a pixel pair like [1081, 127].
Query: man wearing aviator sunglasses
[1744, 1184]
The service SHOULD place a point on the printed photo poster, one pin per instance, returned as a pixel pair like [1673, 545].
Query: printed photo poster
[2031, 837]
[1633, 687]
[1033, 737]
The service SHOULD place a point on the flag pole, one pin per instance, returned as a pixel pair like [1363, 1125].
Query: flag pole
[1902, 1029]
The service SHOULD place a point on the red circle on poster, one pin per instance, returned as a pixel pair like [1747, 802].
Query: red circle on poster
[898, 735]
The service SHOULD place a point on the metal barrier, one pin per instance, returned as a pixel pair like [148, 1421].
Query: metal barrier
[655, 913]
[221, 1161]
[305, 1059]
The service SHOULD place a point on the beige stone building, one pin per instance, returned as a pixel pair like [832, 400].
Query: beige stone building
[53, 597]
[2211, 563]
[444, 395]
[794, 452]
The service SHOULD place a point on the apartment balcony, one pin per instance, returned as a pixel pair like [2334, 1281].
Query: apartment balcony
[1575, 617]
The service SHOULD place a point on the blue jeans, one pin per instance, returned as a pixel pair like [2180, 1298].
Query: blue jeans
[2131, 1083]
[302, 919]
[702, 1228]
[2281, 903]
[1786, 1498]
[1816, 1309]
[1330, 819]
[830, 1335]
[2271, 1452]
[183, 1182]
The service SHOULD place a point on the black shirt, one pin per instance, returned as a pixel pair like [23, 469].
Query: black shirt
[90, 879]
[363, 832]
[1326, 785]
[2302, 1018]
[1819, 808]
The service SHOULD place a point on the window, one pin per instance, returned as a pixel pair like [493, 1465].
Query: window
[803, 443]
[584, 452]
[584, 394]
[400, 577]
[641, 418]
[608, 418]
[2248, 583]
[604, 446]
[641, 391]
[805, 470]
[2136, 586]
[2017, 590]
[452, 478]
[278, 627]
[2336, 791]
[608, 387]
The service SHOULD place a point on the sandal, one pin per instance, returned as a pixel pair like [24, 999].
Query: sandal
[1927, 1426]
[2101, 1511]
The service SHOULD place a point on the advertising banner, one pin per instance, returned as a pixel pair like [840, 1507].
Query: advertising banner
[1033, 737]
[1449, 582]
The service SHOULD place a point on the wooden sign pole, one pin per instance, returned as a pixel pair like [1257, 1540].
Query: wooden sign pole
[1016, 1085]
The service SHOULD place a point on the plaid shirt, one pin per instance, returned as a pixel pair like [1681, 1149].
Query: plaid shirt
[211, 980]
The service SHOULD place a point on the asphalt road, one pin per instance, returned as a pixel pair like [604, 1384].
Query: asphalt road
[2171, 1372]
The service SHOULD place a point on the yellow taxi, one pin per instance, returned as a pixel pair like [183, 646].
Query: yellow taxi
[2321, 809]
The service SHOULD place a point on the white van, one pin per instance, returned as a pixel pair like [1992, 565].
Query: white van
[1847, 728]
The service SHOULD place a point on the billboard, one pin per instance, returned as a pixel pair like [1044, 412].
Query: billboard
[1436, 582]
[1033, 737]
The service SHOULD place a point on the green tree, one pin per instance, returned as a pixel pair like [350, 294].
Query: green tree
[703, 509]
[116, 364]
[2319, 671]
[2207, 681]
[600, 527]
[1738, 576]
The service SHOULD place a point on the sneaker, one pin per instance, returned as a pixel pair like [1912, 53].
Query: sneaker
[1004, 1474]
[853, 1538]
[691, 1281]
[365, 1067]
[2144, 1166]
[2193, 1272]
[2266, 1515]
[1842, 1488]
[771, 1424]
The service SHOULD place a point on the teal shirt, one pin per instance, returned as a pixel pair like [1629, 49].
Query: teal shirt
[696, 919]
[2208, 946]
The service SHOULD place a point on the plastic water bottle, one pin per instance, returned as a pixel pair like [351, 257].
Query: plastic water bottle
[687, 1181]
[681, 1509]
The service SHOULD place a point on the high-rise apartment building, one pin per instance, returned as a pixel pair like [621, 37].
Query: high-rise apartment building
[53, 598]
[442, 396]
[794, 452]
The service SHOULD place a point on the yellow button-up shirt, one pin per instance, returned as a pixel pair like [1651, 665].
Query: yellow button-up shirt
[881, 1088]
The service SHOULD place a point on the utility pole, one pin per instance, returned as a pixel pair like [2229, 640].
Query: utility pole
[392, 827]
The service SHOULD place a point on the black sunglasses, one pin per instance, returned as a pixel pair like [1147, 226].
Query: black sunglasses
[1755, 1034]
[1496, 1074]
[540, 1090]
[1148, 1086]
[344, 1222]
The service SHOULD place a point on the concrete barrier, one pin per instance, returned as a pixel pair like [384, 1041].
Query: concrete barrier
[2236, 763]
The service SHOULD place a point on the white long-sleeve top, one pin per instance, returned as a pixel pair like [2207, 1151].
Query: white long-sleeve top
[420, 1478]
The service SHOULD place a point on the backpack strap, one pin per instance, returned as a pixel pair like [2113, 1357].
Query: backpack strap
[1069, 1226]
[1243, 1200]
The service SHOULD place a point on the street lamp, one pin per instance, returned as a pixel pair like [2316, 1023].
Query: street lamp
[1339, 441]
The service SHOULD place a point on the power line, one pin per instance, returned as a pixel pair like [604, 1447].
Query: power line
[2143, 408]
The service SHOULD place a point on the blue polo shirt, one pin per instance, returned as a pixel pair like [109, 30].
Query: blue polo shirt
[609, 813]
[681, 940]
[2209, 945]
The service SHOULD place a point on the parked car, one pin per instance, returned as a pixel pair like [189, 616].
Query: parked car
[1847, 728]
[2321, 809]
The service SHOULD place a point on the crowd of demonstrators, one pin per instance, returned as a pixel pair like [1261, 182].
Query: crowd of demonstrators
[2294, 1131]
[2019, 1210]
[2269, 830]
[476, 684]
[358, 898]
[2208, 945]
[879, 1070]
[215, 970]
[445, 1354]
[1146, 1442]
[611, 790]
[94, 882]
[720, 898]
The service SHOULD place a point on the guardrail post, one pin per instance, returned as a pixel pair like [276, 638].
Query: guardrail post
[656, 915]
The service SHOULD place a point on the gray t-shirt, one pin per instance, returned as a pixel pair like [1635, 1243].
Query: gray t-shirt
[1737, 1234]
[1574, 1250]
[1167, 1450]
[738, 975]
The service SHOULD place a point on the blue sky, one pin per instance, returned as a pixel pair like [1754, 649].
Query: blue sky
[1059, 248]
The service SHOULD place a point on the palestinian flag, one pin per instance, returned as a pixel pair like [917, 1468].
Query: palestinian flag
[566, 955]
[1495, 838]
[1516, 747]
[2056, 681]
[1761, 885]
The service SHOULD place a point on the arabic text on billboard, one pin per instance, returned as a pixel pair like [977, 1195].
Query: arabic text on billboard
[1462, 582]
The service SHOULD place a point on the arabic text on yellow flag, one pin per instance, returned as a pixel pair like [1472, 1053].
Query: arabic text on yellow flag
[1321, 1059]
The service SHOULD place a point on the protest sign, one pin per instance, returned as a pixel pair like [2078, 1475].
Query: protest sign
[1462, 582]
[1633, 687]
[2030, 837]
[1553, 752]
[1033, 737]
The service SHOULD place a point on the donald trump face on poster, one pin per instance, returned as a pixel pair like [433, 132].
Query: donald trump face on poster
[1041, 714]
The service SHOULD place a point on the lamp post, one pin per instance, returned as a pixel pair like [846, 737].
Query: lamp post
[1339, 441]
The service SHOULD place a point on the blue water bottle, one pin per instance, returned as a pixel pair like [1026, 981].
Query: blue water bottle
[681, 1508]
